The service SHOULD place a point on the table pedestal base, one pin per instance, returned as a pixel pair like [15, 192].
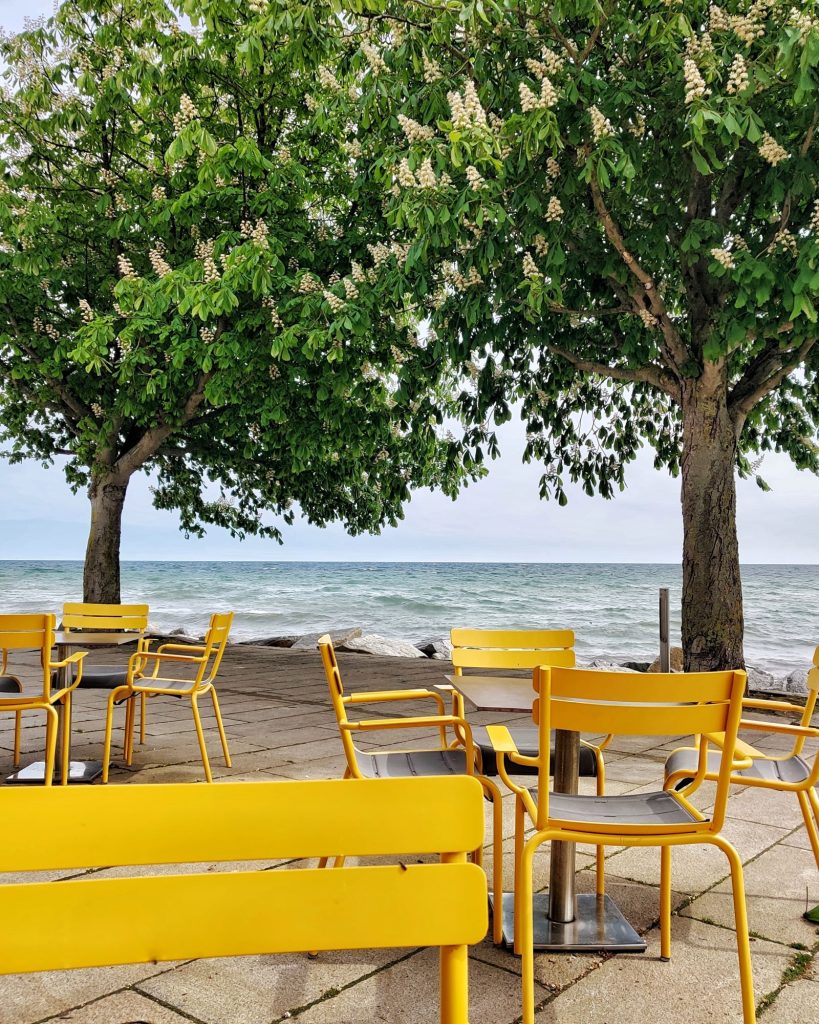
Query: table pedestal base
[34, 774]
[598, 925]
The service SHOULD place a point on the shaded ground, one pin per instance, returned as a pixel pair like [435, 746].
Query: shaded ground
[280, 726]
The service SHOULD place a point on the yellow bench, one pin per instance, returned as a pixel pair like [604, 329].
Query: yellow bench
[78, 923]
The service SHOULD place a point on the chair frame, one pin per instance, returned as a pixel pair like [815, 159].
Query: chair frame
[705, 704]
[515, 649]
[23, 632]
[805, 790]
[207, 658]
[232, 913]
[439, 722]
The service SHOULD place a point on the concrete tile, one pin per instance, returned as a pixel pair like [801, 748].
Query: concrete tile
[797, 1003]
[251, 990]
[407, 993]
[700, 984]
[123, 1008]
[776, 885]
[765, 806]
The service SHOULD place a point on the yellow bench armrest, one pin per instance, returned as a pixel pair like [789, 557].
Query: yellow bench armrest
[780, 727]
[501, 739]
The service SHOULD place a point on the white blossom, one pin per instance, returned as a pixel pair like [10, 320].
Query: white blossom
[475, 179]
[126, 268]
[695, 87]
[554, 211]
[770, 150]
[724, 258]
[160, 266]
[373, 58]
[86, 312]
[406, 178]
[601, 126]
[737, 76]
[414, 131]
[530, 268]
[426, 175]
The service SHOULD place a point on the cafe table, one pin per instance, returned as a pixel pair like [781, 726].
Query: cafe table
[564, 920]
[78, 771]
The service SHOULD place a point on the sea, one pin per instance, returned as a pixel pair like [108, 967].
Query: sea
[613, 608]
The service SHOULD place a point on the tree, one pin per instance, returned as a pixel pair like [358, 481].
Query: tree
[184, 275]
[612, 217]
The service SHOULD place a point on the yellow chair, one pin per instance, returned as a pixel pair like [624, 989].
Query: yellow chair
[124, 618]
[787, 773]
[24, 632]
[235, 913]
[499, 650]
[425, 762]
[205, 658]
[655, 704]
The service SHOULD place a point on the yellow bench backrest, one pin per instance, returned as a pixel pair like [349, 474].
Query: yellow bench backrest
[78, 923]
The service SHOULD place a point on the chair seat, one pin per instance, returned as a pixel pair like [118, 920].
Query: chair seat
[8, 684]
[659, 808]
[526, 740]
[405, 764]
[181, 685]
[789, 769]
[98, 677]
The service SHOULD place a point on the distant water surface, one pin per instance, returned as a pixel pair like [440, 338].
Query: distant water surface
[611, 607]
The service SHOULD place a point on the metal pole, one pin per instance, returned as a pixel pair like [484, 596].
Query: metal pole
[665, 652]
[562, 868]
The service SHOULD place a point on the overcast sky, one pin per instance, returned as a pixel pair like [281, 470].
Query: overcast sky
[499, 519]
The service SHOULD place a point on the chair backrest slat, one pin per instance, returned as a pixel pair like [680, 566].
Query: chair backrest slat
[469, 657]
[498, 649]
[244, 912]
[179, 823]
[29, 632]
[504, 639]
[80, 615]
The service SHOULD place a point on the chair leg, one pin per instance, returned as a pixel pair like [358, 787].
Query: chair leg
[497, 858]
[454, 981]
[809, 804]
[665, 902]
[520, 824]
[221, 727]
[109, 728]
[65, 766]
[143, 709]
[130, 718]
[746, 980]
[526, 926]
[600, 877]
[51, 744]
[18, 724]
[201, 737]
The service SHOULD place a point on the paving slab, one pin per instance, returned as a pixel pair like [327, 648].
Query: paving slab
[126, 1007]
[797, 1003]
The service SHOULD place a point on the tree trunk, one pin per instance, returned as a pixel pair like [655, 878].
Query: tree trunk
[100, 583]
[712, 622]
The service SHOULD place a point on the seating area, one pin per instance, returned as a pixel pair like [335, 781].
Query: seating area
[278, 717]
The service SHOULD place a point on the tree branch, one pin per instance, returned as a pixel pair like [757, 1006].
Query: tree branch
[654, 375]
[764, 375]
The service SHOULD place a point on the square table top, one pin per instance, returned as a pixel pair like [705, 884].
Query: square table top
[77, 638]
[507, 694]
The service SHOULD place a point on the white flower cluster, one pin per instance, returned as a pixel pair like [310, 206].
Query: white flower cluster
[259, 234]
[803, 21]
[649, 320]
[125, 268]
[454, 277]
[724, 258]
[554, 211]
[379, 252]
[638, 126]
[187, 113]
[159, 263]
[204, 252]
[601, 126]
[86, 312]
[207, 334]
[309, 283]
[373, 57]
[274, 372]
[785, 241]
[737, 76]
[718, 20]
[406, 177]
[108, 177]
[426, 175]
[335, 302]
[270, 305]
[813, 223]
[541, 245]
[770, 150]
[357, 272]
[350, 289]
[414, 131]
[327, 80]
[530, 269]
[467, 110]
[695, 87]
[158, 193]
[531, 101]
[475, 178]
[96, 409]
[552, 169]
[432, 70]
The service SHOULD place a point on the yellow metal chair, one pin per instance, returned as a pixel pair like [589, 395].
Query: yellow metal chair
[24, 632]
[498, 650]
[655, 704]
[787, 773]
[425, 762]
[142, 679]
[124, 618]
[234, 913]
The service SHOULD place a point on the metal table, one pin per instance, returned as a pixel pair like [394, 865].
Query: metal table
[565, 921]
[78, 771]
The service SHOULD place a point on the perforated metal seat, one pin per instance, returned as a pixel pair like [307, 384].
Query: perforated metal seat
[659, 808]
[10, 684]
[401, 765]
[102, 677]
[789, 769]
[525, 737]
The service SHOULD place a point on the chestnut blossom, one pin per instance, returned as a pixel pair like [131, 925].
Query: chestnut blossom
[601, 126]
[530, 268]
[86, 312]
[770, 150]
[695, 87]
[475, 179]
[126, 268]
[414, 131]
[432, 70]
[724, 258]
[160, 266]
[737, 76]
[554, 211]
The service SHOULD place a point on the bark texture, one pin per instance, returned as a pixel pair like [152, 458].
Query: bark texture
[101, 579]
[712, 618]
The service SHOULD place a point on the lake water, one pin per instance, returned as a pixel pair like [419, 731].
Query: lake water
[612, 608]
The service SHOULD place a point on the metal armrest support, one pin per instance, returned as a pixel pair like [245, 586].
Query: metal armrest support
[744, 753]
[779, 727]
[72, 659]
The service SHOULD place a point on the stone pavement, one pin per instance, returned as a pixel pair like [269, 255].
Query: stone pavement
[280, 726]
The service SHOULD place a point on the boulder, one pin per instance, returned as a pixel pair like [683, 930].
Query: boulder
[386, 646]
[762, 681]
[675, 658]
[270, 641]
[440, 648]
[636, 666]
[607, 665]
[339, 638]
[797, 682]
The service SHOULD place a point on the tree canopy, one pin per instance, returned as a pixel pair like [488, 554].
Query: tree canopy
[186, 257]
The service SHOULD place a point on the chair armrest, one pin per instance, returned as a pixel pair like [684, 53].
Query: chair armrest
[380, 696]
[780, 727]
[501, 739]
[157, 656]
[772, 705]
[427, 722]
[180, 647]
[744, 753]
[73, 659]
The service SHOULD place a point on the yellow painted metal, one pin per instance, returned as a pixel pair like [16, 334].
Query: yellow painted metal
[804, 789]
[144, 680]
[24, 632]
[248, 912]
[522, 639]
[439, 722]
[581, 700]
